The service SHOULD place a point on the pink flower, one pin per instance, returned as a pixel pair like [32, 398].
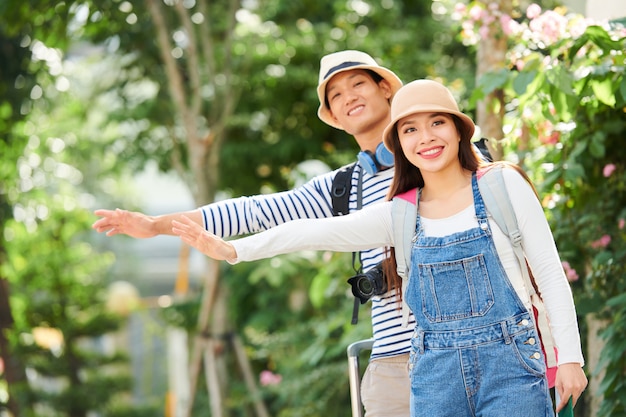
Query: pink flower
[533, 11]
[509, 26]
[603, 242]
[551, 26]
[488, 19]
[570, 272]
[547, 134]
[621, 223]
[460, 8]
[476, 13]
[608, 170]
[269, 378]
[551, 139]
[483, 32]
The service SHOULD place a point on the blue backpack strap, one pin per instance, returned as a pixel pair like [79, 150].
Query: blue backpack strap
[494, 192]
[404, 215]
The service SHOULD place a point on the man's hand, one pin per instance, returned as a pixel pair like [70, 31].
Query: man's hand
[131, 223]
[139, 225]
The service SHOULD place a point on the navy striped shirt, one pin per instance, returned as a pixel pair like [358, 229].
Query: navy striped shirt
[245, 215]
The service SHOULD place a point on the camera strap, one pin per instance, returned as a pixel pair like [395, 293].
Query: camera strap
[357, 255]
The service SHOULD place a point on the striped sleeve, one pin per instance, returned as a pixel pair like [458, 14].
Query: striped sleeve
[246, 215]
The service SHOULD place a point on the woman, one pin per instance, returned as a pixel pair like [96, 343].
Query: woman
[475, 349]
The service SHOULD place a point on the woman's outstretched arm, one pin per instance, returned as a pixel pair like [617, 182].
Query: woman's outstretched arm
[366, 229]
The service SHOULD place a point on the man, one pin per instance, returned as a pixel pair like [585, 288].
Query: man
[354, 93]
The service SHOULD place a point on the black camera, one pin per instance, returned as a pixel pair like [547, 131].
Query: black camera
[370, 283]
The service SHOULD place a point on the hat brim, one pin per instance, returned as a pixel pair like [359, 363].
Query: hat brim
[324, 113]
[468, 123]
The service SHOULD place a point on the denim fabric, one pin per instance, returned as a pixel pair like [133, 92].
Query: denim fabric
[475, 350]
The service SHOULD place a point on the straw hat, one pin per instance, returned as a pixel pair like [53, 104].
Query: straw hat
[423, 96]
[338, 62]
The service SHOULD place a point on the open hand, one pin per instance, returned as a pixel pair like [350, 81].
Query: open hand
[116, 222]
[211, 245]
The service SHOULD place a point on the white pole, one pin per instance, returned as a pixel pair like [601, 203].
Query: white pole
[178, 372]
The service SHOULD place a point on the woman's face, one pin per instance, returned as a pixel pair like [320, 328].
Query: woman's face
[430, 141]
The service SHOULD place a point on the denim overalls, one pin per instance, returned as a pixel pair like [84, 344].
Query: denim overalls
[475, 350]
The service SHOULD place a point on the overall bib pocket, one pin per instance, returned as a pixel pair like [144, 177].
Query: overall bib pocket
[455, 290]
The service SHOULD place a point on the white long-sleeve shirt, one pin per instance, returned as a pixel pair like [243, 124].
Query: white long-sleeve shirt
[312, 200]
[372, 227]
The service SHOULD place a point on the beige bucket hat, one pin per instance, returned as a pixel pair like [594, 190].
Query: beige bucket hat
[337, 62]
[424, 96]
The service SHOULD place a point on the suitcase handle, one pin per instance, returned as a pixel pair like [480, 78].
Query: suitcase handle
[354, 349]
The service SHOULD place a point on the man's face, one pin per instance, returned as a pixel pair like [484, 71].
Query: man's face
[357, 102]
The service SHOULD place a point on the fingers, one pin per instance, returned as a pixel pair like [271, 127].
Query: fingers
[187, 230]
[571, 382]
[179, 229]
[562, 403]
[182, 226]
[188, 234]
[103, 212]
[111, 221]
[194, 235]
[575, 394]
[103, 224]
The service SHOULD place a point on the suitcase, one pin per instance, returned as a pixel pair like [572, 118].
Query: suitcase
[354, 373]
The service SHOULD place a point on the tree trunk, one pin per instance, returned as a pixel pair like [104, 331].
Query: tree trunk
[203, 137]
[595, 344]
[490, 57]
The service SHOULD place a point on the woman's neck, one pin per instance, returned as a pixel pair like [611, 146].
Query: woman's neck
[444, 185]
[446, 194]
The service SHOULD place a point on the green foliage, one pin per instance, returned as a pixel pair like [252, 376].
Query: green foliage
[299, 328]
[294, 314]
[55, 285]
[276, 124]
[56, 278]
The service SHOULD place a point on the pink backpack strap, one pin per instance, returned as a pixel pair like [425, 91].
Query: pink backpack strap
[481, 171]
[410, 196]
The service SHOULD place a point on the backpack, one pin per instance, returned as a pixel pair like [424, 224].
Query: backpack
[340, 190]
[498, 204]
